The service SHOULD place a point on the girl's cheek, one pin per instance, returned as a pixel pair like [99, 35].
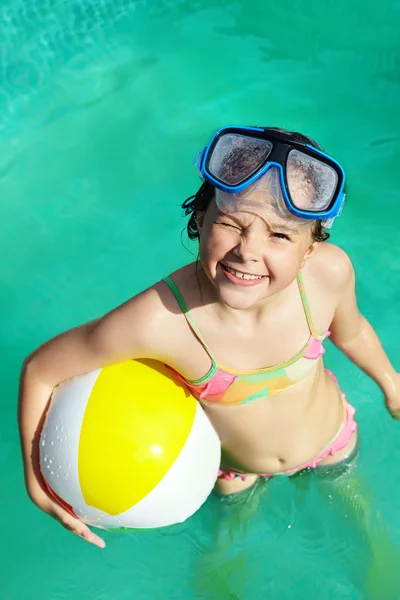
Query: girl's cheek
[208, 249]
[215, 244]
[282, 262]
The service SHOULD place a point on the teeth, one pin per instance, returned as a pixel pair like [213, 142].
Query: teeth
[240, 275]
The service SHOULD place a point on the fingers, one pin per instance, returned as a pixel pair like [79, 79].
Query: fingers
[394, 413]
[43, 501]
[77, 527]
[92, 538]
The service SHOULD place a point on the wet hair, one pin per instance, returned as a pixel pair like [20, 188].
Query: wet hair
[205, 194]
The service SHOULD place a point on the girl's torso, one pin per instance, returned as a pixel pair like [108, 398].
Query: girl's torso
[269, 419]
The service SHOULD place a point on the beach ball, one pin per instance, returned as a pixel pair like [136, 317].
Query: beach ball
[128, 446]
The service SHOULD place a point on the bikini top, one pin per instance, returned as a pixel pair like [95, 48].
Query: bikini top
[229, 387]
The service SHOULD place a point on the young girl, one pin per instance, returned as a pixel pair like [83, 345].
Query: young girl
[244, 325]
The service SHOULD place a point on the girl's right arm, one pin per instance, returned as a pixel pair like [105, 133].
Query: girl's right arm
[138, 328]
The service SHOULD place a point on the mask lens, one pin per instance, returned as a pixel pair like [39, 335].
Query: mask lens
[235, 158]
[312, 183]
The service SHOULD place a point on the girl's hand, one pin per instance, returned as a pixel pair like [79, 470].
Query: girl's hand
[392, 397]
[43, 501]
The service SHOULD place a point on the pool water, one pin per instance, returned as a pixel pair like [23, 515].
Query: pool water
[103, 106]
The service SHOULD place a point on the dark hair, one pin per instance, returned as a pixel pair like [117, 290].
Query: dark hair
[200, 201]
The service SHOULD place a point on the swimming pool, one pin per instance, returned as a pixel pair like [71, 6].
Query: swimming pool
[103, 106]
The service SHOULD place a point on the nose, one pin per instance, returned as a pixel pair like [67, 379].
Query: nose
[250, 248]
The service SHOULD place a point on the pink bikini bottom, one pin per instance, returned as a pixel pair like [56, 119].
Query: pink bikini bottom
[340, 441]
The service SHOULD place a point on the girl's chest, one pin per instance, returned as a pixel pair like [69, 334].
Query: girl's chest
[265, 343]
[273, 338]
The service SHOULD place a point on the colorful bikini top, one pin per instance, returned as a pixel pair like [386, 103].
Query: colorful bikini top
[229, 387]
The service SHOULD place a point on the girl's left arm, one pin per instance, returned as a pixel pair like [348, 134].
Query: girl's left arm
[356, 338]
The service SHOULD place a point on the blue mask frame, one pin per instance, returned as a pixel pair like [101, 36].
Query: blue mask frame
[281, 145]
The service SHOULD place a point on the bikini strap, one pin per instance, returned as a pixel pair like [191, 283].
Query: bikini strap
[306, 306]
[188, 316]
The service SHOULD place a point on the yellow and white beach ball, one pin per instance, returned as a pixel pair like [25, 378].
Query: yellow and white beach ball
[128, 446]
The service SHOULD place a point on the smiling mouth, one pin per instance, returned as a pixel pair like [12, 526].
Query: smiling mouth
[241, 275]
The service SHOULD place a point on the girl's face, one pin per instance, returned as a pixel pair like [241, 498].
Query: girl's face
[249, 258]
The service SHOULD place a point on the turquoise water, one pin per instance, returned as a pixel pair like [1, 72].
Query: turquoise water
[102, 108]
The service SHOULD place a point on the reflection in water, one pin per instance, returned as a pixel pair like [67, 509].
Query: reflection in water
[299, 532]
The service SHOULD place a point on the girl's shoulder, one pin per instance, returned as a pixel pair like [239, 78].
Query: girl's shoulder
[185, 274]
[186, 281]
[146, 325]
[331, 266]
[155, 301]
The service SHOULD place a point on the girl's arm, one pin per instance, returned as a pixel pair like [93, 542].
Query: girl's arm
[135, 329]
[356, 338]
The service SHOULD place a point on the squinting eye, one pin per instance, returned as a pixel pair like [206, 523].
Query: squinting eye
[226, 225]
[280, 236]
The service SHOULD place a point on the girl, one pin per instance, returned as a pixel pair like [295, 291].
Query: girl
[244, 325]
